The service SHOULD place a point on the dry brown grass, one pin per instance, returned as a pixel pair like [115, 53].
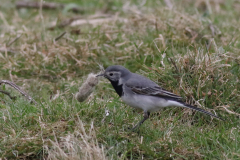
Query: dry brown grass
[188, 47]
[76, 146]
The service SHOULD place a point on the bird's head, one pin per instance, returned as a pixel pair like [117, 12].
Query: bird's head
[115, 73]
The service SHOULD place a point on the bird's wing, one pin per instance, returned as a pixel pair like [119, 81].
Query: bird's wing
[153, 91]
[144, 86]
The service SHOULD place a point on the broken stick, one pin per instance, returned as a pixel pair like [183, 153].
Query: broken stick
[45, 5]
[18, 89]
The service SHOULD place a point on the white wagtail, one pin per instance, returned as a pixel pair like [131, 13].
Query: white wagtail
[140, 92]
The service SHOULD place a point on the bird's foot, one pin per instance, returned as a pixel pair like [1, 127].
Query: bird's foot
[134, 129]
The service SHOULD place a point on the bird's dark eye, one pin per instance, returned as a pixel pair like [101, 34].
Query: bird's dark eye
[111, 74]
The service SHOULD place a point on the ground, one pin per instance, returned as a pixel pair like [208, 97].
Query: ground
[190, 48]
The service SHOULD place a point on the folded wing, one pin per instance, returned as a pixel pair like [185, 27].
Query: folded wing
[148, 87]
[153, 91]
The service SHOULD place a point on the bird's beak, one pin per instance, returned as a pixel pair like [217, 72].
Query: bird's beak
[100, 75]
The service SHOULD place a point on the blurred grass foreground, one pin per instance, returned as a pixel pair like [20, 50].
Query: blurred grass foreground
[191, 48]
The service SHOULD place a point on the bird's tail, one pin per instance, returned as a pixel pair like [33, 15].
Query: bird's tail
[201, 110]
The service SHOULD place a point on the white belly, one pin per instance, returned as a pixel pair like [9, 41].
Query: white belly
[149, 103]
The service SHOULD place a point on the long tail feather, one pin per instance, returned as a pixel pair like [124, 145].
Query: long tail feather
[203, 111]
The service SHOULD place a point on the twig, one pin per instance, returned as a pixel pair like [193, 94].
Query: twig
[14, 40]
[45, 5]
[60, 36]
[8, 94]
[18, 89]
[68, 21]
[96, 21]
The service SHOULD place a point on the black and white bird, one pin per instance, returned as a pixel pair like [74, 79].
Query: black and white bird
[140, 92]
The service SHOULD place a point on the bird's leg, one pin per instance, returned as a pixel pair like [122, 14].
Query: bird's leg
[145, 117]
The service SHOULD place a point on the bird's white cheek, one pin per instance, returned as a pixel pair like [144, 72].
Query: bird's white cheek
[120, 82]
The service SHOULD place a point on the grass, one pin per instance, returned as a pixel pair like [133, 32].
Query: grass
[191, 50]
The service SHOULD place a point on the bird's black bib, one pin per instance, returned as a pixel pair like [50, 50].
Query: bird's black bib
[118, 88]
